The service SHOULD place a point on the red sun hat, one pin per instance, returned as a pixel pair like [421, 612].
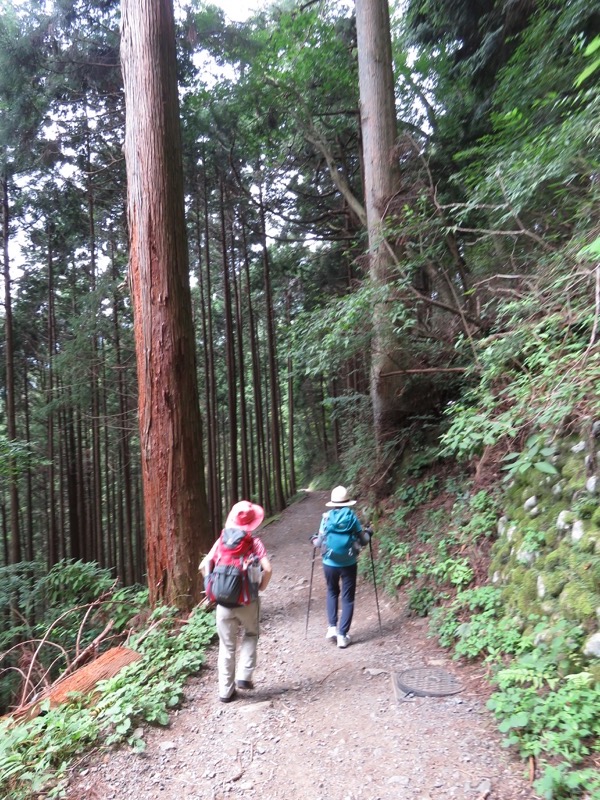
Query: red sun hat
[245, 515]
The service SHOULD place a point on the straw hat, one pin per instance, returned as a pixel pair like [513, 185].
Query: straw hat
[339, 498]
[245, 515]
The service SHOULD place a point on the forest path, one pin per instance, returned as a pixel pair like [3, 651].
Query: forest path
[322, 723]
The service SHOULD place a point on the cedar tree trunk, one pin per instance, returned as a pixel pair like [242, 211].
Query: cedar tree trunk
[177, 524]
[381, 178]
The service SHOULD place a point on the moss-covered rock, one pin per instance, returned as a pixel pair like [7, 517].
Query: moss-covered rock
[554, 583]
[524, 590]
[586, 507]
[577, 602]
[573, 472]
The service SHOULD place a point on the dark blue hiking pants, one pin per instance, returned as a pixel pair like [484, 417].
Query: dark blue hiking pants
[346, 576]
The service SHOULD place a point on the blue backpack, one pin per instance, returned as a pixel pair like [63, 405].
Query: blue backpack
[341, 547]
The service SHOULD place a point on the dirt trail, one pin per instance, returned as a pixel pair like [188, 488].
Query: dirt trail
[322, 723]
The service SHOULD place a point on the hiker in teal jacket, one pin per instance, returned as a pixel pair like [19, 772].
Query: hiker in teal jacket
[340, 539]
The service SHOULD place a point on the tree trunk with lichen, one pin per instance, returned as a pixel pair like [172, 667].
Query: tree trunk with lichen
[177, 523]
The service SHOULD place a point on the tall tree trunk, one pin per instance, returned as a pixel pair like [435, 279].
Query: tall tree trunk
[177, 524]
[73, 488]
[291, 410]
[11, 420]
[203, 284]
[83, 499]
[232, 471]
[29, 475]
[124, 501]
[335, 426]
[277, 481]
[211, 383]
[381, 179]
[111, 530]
[96, 460]
[236, 283]
[263, 487]
[53, 554]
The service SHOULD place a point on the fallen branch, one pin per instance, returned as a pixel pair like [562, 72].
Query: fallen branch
[92, 646]
[423, 369]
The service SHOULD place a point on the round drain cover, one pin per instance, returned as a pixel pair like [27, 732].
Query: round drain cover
[427, 682]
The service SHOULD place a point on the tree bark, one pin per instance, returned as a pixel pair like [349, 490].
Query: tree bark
[11, 423]
[97, 493]
[262, 485]
[177, 523]
[52, 534]
[381, 178]
[232, 420]
[239, 321]
[277, 480]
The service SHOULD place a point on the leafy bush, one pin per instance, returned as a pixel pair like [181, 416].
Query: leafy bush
[71, 583]
[421, 600]
[474, 626]
[414, 495]
[481, 517]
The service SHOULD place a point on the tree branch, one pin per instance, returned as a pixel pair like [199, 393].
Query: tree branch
[422, 370]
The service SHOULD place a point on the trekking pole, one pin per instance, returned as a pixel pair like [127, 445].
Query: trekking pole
[312, 570]
[375, 585]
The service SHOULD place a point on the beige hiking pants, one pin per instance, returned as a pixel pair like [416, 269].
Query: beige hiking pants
[229, 621]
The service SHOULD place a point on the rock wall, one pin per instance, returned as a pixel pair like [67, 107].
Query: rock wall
[547, 557]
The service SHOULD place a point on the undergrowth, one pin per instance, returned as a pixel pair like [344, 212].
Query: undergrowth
[35, 754]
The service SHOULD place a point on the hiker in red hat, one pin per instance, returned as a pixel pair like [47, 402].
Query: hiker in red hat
[236, 569]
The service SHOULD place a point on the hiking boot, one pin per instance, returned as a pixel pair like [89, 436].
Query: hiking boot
[231, 697]
[331, 632]
[343, 641]
[244, 684]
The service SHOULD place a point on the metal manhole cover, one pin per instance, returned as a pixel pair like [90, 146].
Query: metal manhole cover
[426, 682]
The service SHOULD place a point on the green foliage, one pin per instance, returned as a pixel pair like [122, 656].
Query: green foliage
[60, 613]
[422, 458]
[547, 384]
[544, 704]
[421, 600]
[414, 495]
[560, 722]
[70, 583]
[327, 337]
[35, 755]
[474, 625]
[472, 429]
[18, 589]
[476, 516]
[562, 782]
[16, 457]
[393, 565]
[590, 50]
[536, 455]
[455, 571]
